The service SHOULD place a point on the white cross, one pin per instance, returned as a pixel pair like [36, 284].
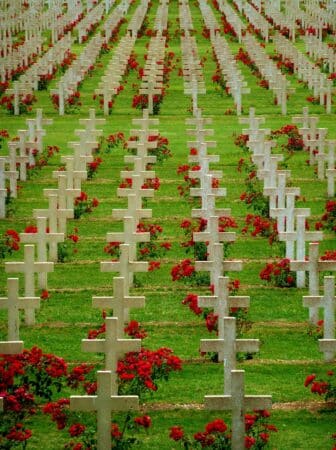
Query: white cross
[229, 346]
[129, 236]
[314, 266]
[212, 234]
[328, 303]
[134, 209]
[238, 403]
[104, 403]
[113, 347]
[29, 267]
[13, 303]
[217, 265]
[43, 240]
[300, 236]
[120, 303]
[124, 266]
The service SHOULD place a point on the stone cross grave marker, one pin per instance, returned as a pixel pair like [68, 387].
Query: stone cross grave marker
[91, 123]
[252, 120]
[21, 158]
[17, 90]
[134, 209]
[13, 303]
[74, 177]
[120, 303]
[145, 121]
[304, 119]
[65, 195]
[29, 267]
[300, 237]
[104, 403]
[129, 236]
[125, 266]
[313, 265]
[212, 235]
[142, 145]
[139, 169]
[277, 195]
[57, 219]
[206, 190]
[8, 174]
[229, 346]
[328, 303]
[238, 403]
[209, 208]
[221, 304]
[43, 239]
[217, 265]
[287, 216]
[136, 189]
[113, 347]
[82, 154]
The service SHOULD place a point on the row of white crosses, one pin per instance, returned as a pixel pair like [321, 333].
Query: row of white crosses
[50, 230]
[111, 81]
[290, 220]
[317, 49]
[21, 154]
[44, 65]
[115, 346]
[59, 22]
[185, 18]
[114, 18]
[306, 70]
[278, 82]
[232, 17]
[135, 23]
[287, 217]
[321, 149]
[92, 17]
[20, 56]
[285, 20]
[29, 267]
[225, 59]
[193, 77]
[226, 345]
[68, 83]
[313, 16]
[152, 80]
[161, 18]
[257, 20]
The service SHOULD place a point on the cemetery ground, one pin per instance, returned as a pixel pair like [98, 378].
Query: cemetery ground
[289, 349]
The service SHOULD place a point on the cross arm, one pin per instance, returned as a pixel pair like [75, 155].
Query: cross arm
[312, 300]
[247, 345]
[327, 345]
[11, 347]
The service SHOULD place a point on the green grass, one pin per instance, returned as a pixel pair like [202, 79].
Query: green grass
[287, 353]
